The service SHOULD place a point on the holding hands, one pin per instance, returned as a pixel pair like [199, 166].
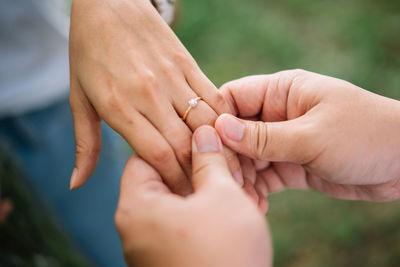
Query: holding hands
[292, 129]
[295, 129]
[129, 69]
[217, 225]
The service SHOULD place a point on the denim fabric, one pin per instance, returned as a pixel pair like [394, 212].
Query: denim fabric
[42, 144]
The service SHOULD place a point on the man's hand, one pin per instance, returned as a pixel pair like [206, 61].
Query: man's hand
[217, 225]
[317, 132]
[129, 69]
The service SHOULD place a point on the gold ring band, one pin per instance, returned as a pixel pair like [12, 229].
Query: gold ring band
[192, 103]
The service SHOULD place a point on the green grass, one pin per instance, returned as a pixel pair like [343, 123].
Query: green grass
[356, 40]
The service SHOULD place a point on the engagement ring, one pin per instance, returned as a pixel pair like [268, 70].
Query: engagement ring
[192, 103]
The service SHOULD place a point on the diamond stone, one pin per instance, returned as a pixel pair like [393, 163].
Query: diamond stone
[193, 102]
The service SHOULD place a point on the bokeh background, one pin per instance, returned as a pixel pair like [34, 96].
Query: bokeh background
[356, 40]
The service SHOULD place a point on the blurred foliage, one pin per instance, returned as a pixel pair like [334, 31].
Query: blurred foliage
[29, 237]
[355, 40]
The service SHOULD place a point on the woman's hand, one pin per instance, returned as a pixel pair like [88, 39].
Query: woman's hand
[317, 132]
[217, 225]
[130, 70]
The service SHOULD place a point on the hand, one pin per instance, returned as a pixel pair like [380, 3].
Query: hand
[319, 132]
[130, 70]
[217, 225]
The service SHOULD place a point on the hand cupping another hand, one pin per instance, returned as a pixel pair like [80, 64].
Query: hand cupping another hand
[317, 132]
[129, 69]
[215, 226]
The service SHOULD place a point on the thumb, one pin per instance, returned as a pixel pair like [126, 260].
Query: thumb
[210, 168]
[87, 128]
[268, 141]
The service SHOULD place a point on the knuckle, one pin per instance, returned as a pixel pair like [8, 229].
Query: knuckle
[86, 149]
[220, 100]
[260, 140]
[167, 67]
[227, 86]
[183, 58]
[147, 77]
[184, 153]
[293, 73]
[181, 141]
[289, 77]
[208, 119]
[145, 81]
[297, 72]
[150, 96]
[112, 103]
[162, 156]
[147, 86]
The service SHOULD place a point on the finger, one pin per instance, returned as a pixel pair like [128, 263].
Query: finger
[262, 190]
[203, 87]
[248, 168]
[210, 169]
[141, 190]
[174, 130]
[262, 187]
[263, 204]
[87, 128]
[203, 114]
[292, 175]
[150, 145]
[246, 95]
[234, 165]
[260, 164]
[140, 178]
[198, 115]
[267, 96]
[346, 192]
[250, 191]
[282, 175]
[258, 198]
[276, 141]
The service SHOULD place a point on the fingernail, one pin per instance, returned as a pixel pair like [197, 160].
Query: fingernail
[232, 127]
[206, 139]
[238, 176]
[74, 176]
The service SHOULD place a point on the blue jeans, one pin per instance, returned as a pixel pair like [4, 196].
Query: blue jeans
[42, 144]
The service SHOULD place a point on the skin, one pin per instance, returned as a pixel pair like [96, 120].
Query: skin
[312, 131]
[129, 69]
[217, 225]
